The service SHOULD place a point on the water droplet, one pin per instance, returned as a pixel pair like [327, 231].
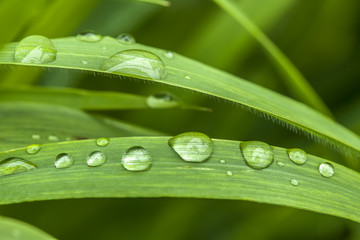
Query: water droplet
[126, 38]
[89, 36]
[187, 77]
[136, 159]
[326, 169]
[104, 48]
[84, 62]
[169, 54]
[64, 160]
[33, 149]
[35, 136]
[35, 49]
[229, 173]
[162, 100]
[297, 155]
[102, 142]
[192, 146]
[136, 62]
[258, 155]
[96, 159]
[53, 138]
[280, 164]
[15, 165]
[294, 182]
[222, 161]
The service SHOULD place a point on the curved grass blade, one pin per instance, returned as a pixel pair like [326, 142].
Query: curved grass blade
[294, 80]
[189, 74]
[224, 176]
[24, 123]
[12, 229]
[157, 2]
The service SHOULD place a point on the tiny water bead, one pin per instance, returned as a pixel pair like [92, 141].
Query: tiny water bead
[89, 36]
[102, 142]
[64, 160]
[294, 182]
[136, 159]
[15, 165]
[187, 77]
[96, 159]
[192, 146]
[84, 62]
[126, 38]
[326, 169]
[169, 55]
[35, 136]
[229, 173]
[53, 138]
[297, 155]
[162, 100]
[222, 161]
[35, 49]
[136, 62]
[280, 164]
[33, 149]
[258, 155]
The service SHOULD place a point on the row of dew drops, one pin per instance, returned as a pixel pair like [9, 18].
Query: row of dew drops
[192, 147]
[38, 49]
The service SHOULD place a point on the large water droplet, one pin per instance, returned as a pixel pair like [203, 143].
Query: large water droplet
[89, 36]
[162, 100]
[296, 155]
[64, 160]
[258, 155]
[326, 169]
[35, 49]
[294, 182]
[102, 142]
[136, 159]
[126, 38]
[136, 62]
[15, 165]
[192, 146]
[96, 159]
[33, 149]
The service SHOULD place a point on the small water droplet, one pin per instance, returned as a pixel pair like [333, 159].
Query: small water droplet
[35, 136]
[222, 161]
[96, 159]
[169, 54]
[294, 182]
[33, 149]
[187, 77]
[280, 164]
[162, 100]
[35, 49]
[64, 160]
[297, 155]
[229, 173]
[53, 138]
[326, 169]
[89, 36]
[126, 38]
[15, 165]
[136, 159]
[258, 155]
[104, 48]
[84, 62]
[102, 142]
[136, 62]
[192, 146]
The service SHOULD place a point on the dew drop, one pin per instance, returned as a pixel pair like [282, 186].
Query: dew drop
[96, 159]
[229, 173]
[33, 149]
[35, 49]
[136, 62]
[162, 100]
[280, 164]
[326, 169]
[126, 38]
[53, 138]
[15, 165]
[294, 182]
[187, 77]
[222, 161]
[35, 136]
[104, 48]
[89, 36]
[258, 155]
[136, 159]
[297, 155]
[192, 146]
[102, 142]
[64, 160]
[169, 55]
[84, 62]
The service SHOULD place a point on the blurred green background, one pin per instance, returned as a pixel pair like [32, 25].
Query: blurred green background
[320, 37]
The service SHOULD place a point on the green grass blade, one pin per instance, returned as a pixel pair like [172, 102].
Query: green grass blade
[295, 81]
[192, 75]
[172, 177]
[157, 2]
[12, 229]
